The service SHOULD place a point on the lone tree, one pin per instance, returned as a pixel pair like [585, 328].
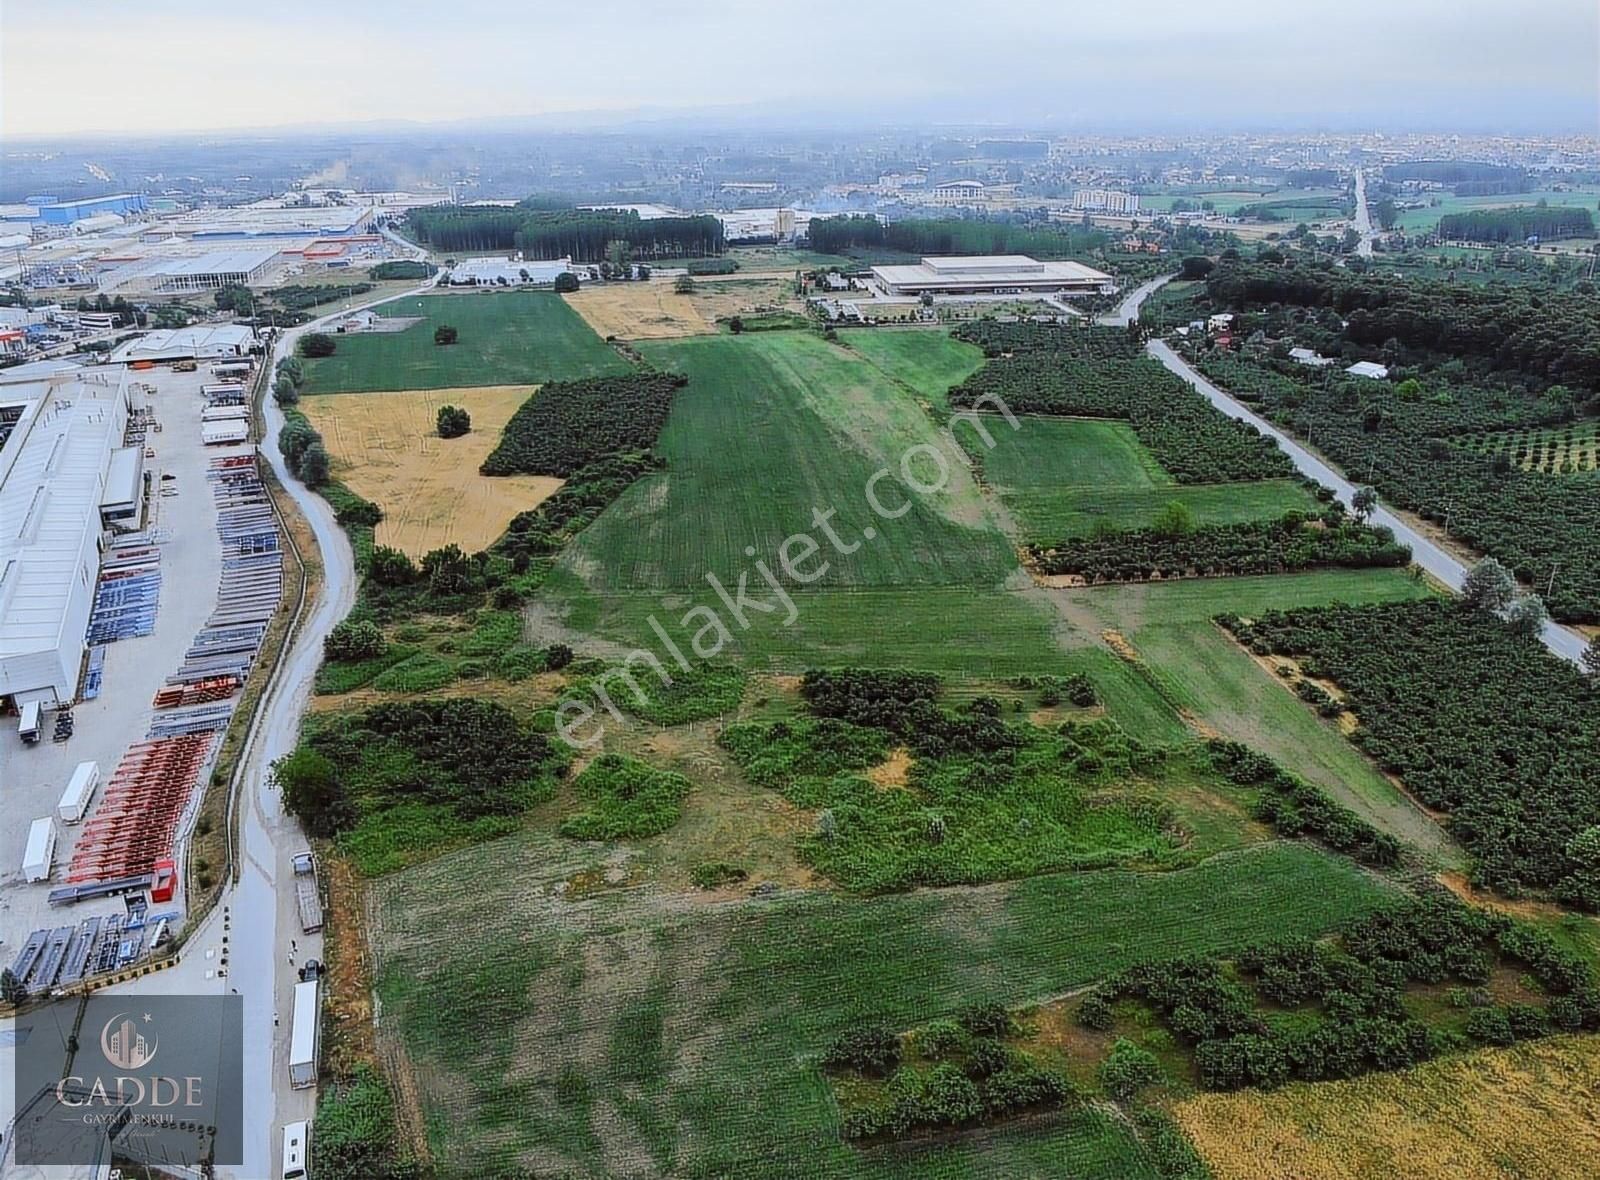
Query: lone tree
[566, 283]
[1488, 586]
[453, 421]
[683, 285]
[316, 344]
[736, 325]
[445, 334]
[314, 465]
[284, 391]
[359, 640]
[1527, 616]
[1364, 501]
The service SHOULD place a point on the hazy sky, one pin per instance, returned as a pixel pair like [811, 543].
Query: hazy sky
[172, 65]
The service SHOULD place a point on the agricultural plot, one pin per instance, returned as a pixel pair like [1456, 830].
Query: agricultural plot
[1555, 450]
[1202, 674]
[1500, 1114]
[927, 362]
[769, 430]
[1424, 219]
[655, 311]
[506, 337]
[638, 1038]
[1070, 477]
[386, 448]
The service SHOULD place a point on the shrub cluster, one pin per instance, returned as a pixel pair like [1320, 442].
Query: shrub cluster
[627, 799]
[1295, 807]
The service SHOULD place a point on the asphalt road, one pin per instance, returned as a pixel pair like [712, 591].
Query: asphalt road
[1128, 310]
[1563, 641]
[1363, 217]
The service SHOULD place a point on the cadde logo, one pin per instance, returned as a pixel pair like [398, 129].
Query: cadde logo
[126, 1044]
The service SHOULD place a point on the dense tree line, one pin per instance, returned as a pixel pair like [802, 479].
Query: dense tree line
[1249, 547]
[904, 704]
[583, 235]
[1549, 336]
[570, 424]
[1478, 722]
[545, 530]
[1415, 444]
[1455, 172]
[1519, 224]
[952, 235]
[1190, 438]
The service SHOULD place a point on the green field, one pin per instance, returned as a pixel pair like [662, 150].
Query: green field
[632, 1037]
[507, 338]
[1064, 477]
[770, 429]
[1198, 668]
[927, 362]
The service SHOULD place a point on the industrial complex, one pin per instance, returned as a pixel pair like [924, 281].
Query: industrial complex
[995, 274]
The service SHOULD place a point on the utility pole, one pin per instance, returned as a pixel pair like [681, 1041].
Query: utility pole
[1551, 588]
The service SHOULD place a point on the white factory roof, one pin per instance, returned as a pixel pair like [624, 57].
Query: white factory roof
[217, 262]
[995, 269]
[1369, 369]
[51, 480]
[201, 340]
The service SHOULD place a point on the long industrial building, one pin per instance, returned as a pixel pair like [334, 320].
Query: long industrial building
[990, 274]
[59, 442]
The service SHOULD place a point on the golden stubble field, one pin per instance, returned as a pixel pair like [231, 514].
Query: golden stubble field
[654, 311]
[1496, 1114]
[385, 447]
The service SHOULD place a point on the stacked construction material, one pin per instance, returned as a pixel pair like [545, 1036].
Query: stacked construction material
[252, 577]
[94, 676]
[145, 796]
[128, 591]
[196, 692]
[69, 954]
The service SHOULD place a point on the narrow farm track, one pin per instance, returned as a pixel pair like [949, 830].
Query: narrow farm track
[1562, 641]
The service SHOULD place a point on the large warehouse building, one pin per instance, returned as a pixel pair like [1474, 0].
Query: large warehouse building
[58, 440]
[991, 274]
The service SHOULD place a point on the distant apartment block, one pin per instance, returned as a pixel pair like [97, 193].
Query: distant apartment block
[1106, 200]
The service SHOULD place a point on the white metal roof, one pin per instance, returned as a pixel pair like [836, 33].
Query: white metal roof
[200, 340]
[996, 269]
[52, 475]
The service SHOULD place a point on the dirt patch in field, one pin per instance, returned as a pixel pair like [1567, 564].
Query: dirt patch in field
[1458, 884]
[386, 447]
[1498, 1114]
[891, 773]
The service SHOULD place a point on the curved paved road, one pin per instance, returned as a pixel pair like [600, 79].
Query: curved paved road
[1564, 642]
[1128, 310]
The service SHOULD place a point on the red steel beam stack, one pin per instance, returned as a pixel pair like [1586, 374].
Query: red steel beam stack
[133, 826]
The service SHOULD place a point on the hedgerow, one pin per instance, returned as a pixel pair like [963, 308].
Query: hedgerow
[1250, 547]
[568, 425]
[1477, 722]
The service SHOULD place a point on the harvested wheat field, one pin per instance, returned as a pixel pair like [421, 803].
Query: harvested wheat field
[1497, 1114]
[385, 447]
[654, 311]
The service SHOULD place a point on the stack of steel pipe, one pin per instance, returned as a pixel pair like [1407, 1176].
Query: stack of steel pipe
[133, 825]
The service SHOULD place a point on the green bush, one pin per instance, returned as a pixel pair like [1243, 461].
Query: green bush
[1128, 1070]
[627, 799]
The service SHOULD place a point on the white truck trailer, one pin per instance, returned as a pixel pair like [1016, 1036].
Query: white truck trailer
[303, 1035]
[80, 790]
[40, 856]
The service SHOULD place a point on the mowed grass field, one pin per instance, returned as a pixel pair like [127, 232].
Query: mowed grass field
[925, 361]
[1412, 220]
[1497, 1114]
[1198, 669]
[635, 1035]
[1065, 477]
[770, 429]
[506, 338]
[386, 448]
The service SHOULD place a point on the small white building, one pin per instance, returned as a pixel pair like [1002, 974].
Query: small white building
[958, 194]
[1369, 369]
[1309, 356]
[508, 272]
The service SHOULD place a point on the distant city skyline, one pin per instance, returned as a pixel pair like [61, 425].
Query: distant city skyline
[185, 66]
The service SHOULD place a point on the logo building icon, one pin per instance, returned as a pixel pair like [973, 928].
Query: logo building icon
[125, 1044]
